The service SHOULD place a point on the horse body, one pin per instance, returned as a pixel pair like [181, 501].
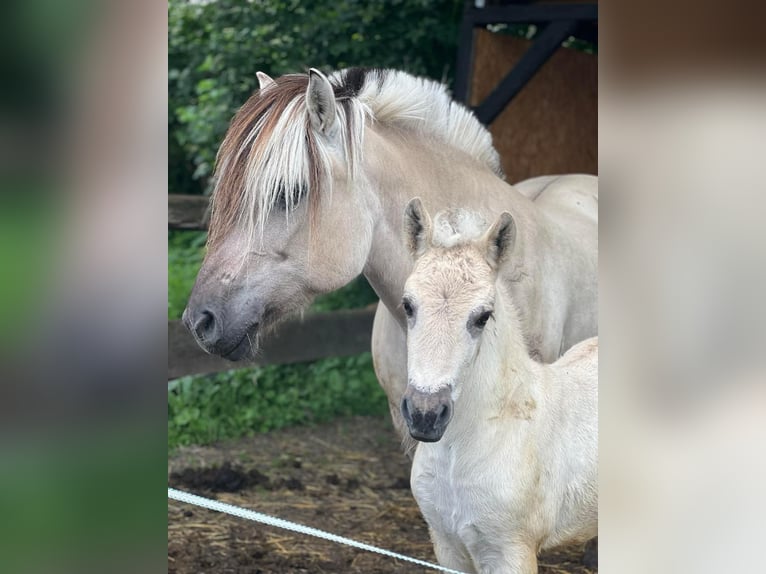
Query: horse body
[312, 178]
[514, 469]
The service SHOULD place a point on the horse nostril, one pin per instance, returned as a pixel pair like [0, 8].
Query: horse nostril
[406, 410]
[206, 325]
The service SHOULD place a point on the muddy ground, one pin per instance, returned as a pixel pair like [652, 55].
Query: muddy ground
[348, 477]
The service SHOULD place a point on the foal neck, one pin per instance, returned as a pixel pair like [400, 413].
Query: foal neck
[502, 381]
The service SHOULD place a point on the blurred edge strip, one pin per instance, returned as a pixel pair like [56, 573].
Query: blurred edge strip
[316, 336]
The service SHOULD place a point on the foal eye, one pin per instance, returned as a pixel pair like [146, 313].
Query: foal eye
[408, 310]
[481, 320]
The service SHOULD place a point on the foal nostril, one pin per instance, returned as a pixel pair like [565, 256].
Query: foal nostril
[205, 326]
[443, 415]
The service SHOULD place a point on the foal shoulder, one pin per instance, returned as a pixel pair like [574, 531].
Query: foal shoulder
[580, 362]
[584, 351]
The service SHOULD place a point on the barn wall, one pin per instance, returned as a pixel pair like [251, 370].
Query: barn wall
[552, 124]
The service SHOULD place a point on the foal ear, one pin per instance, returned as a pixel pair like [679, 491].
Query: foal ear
[320, 101]
[500, 239]
[264, 80]
[417, 227]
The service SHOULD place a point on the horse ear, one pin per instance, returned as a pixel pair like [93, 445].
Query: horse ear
[500, 239]
[417, 227]
[320, 100]
[264, 80]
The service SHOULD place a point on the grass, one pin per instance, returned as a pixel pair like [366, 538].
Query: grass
[204, 409]
[239, 403]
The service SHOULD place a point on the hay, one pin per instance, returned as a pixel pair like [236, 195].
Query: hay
[339, 477]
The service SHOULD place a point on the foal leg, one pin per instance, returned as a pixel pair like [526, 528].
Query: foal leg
[511, 559]
[449, 556]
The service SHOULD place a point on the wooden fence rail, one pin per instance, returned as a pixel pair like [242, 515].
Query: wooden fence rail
[187, 211]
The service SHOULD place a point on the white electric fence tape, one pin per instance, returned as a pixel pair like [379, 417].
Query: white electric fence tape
[292, 526]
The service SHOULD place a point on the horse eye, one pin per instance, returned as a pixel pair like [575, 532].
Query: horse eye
[408, 310]
[481, 320]
[291, 199]
[281, 201]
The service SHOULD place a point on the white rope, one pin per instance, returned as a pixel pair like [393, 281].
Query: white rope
[292, 526]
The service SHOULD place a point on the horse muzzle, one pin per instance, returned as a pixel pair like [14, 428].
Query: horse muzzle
[215, 336]
[427, 414]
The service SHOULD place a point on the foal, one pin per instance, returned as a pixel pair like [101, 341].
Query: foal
[508, 459]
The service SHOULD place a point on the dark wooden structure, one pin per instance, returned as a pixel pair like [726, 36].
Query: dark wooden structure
[539, 101]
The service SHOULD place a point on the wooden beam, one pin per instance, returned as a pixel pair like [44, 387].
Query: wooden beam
[187, 211]
[316, 336]
[543, 47]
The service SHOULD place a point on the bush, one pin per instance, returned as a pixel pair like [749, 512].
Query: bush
[215, 49]
[241, 403]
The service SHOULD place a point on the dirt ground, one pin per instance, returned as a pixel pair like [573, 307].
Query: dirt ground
[348, 477]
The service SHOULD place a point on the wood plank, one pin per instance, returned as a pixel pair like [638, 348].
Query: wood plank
[551, 126]
[316, 336]
[187, 211]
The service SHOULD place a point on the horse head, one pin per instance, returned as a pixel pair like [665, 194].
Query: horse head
[285, 224]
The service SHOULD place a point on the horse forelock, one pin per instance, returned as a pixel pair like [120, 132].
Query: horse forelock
[271, 155]
[245, 184]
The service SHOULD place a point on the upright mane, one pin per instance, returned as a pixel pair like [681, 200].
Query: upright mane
[271, 158]
[455, 227]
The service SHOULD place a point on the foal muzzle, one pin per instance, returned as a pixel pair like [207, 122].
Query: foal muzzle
[427, 414]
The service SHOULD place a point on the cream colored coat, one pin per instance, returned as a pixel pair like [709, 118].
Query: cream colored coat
[516, 470]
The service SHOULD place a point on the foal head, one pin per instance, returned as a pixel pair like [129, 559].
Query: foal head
[285, 223]
[449, 300]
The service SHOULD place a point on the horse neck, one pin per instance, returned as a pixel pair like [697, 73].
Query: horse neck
[503, 380]
[399, 165]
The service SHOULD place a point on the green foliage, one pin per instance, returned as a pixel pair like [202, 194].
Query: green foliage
[240, 403]
[185, 252]
[215, 49]
[356, 294]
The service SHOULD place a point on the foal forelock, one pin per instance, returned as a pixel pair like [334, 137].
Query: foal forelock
[271, 155]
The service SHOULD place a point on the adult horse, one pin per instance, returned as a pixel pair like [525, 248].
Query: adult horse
[312, 179]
